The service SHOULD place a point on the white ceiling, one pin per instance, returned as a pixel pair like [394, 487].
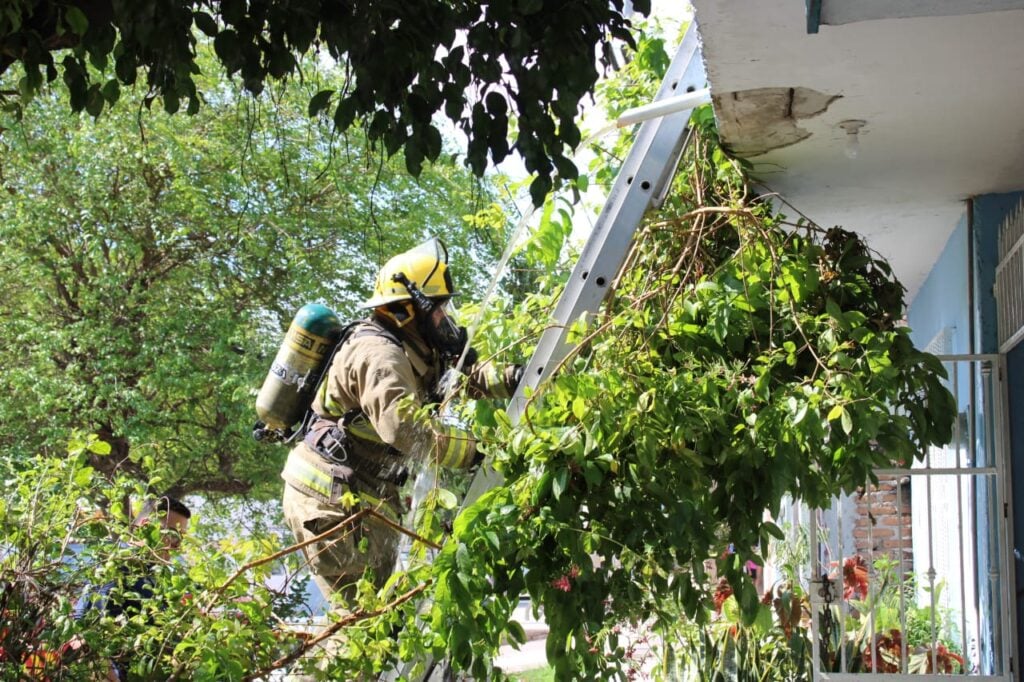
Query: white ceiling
[942, 97]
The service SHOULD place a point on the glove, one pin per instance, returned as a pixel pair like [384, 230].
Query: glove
[471, 357]
[513, 377]
[447, 384]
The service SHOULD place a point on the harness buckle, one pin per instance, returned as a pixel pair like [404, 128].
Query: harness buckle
[332, 445]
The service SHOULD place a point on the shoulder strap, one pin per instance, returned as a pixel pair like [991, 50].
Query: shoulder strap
[353, 330]
[371, 328]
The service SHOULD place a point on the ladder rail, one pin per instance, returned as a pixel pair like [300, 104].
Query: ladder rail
[644, 178]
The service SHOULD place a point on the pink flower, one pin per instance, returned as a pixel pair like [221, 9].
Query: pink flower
[562, 584]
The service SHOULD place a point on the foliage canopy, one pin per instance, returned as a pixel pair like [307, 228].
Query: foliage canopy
[740, 359]
[479, 65]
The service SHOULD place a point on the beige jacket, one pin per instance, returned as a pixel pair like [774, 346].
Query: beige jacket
[389, 384]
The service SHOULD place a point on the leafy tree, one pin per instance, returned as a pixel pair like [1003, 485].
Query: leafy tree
[478, 64]
[151, 263]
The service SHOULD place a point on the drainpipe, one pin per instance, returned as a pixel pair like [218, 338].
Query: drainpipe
[813, 15]
[972, 342]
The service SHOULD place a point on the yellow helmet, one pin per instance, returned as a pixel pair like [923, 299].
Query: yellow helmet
[426, 268]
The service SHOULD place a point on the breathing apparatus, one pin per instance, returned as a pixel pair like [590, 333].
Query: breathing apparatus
[300, 363]
[447, 338]
[410, 286]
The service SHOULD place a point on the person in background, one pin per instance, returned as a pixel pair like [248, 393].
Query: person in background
[125, 596]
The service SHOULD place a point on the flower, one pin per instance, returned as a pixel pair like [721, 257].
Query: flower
[562, 583]
[944, 659]
[722, 592]
[888, 652]
[855, 577]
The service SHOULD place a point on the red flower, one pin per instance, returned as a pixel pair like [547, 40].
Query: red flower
[944, 659]
[855, 577]
[562, 584]
[722, 592]
[888, 653]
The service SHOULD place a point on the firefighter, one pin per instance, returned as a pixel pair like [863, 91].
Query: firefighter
[370, 428]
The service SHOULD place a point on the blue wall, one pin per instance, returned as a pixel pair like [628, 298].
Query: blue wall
[941, 302]
[989, 212]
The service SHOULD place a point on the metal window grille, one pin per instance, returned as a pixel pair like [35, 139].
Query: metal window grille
[910, 576]
[1009, 288]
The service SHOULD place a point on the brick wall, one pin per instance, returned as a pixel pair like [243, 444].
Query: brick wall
[882, 512]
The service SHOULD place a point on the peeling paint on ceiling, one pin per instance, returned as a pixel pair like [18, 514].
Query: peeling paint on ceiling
[941, 95]
[754, 122]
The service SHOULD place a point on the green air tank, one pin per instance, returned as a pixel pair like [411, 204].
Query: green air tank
[288, 390]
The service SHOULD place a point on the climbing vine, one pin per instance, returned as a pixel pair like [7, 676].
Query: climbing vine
[741, 358]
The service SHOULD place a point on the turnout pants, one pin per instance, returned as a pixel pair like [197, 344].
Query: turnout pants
[339, 560]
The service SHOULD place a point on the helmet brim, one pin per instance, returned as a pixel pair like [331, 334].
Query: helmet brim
[377, 301]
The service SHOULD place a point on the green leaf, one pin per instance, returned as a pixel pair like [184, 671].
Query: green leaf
[559, 482]
[414, 157]
[763, 620]
[99, 447]
[83, 476]
[76, 19]
[579, 408]
[748, 601]
[731, 610]
[111, 90]
[319, 102]
[227, 48]
[345, 114]
[834, 311]
[773, 530]
[205, 23]
[516, 632]
[446, 499]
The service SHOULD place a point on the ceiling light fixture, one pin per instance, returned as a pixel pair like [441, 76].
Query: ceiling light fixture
[852, 127]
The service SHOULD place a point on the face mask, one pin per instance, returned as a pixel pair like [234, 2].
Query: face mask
[439, 329]
[447, 338]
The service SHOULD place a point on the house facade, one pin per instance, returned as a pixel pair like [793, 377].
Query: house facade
[902, 122]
